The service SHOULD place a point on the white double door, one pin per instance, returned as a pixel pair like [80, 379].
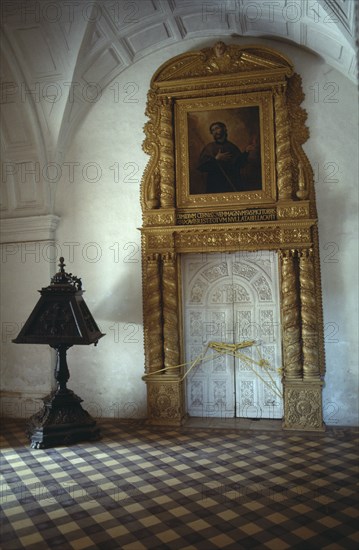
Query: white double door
[231, 298]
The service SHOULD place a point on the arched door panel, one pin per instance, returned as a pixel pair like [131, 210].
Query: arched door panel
[230, 298]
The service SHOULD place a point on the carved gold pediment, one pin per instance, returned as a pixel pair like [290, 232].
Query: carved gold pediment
[221, 60]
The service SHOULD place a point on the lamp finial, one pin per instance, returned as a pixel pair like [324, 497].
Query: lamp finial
[62, 265]
[65, 281]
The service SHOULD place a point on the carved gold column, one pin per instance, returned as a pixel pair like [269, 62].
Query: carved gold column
[303, 397]
[310, 338]
[165, 388]
[290, 317]
[167, 164]
[170, 312]
[166, 392]
[283, 149]
[152, 312]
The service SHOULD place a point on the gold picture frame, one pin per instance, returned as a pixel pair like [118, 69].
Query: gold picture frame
[247, 177]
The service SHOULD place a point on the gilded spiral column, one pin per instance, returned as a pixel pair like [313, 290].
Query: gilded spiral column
[283, 149]
[290, 318]
[153, 315]
[170, 312]
[166, 164]
[310, 338]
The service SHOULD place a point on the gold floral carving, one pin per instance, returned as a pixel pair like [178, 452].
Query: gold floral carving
[302, 170]
[303, 191]
[293, 211]
[297, 115]
[240, 237]
[290, 317]
[296, 235]
[159, 242]
[303, 406]
[309, 315]
[159, 217]
[170, 311]
[150, 188]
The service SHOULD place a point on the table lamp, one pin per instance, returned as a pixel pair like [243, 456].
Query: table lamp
[61, 319]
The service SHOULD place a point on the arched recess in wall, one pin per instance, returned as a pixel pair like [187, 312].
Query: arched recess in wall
[37, 55]
[24, 190]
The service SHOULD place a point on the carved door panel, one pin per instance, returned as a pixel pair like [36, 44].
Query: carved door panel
[231, 298]
[258, 389]
[208, 317]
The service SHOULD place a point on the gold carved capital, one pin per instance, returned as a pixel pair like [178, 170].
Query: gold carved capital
[161, 217]
[292, 210]
[160, 241]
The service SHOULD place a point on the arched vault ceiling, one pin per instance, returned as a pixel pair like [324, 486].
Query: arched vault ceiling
[54, 48]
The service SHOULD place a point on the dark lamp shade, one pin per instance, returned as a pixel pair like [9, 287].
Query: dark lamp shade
[60, 320]
[61, 316]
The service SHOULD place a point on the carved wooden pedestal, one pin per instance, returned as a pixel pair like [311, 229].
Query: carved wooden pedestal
[165, 400]
[303, 406]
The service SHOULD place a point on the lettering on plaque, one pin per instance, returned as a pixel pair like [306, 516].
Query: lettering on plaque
[227, 216]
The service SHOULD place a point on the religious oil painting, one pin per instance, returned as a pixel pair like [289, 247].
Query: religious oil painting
[225, 149]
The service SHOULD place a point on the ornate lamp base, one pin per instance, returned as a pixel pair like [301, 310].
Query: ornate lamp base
[61, 421]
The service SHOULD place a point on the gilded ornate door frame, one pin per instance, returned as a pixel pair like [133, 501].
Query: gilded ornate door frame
[281, 217]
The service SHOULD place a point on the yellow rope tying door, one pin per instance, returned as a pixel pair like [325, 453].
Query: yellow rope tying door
[221, 348]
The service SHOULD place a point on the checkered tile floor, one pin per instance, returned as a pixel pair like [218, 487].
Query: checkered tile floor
[142, 488]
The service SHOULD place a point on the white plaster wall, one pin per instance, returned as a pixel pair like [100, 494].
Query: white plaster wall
[99, 238]
[331, 103]
[26, 374]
